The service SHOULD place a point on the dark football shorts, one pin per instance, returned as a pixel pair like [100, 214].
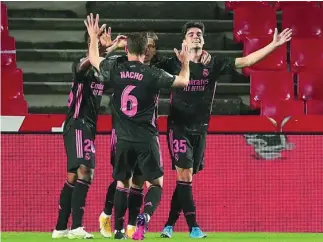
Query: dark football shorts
[113, 143]
[138, 159]
[79, 146]
[186, 150]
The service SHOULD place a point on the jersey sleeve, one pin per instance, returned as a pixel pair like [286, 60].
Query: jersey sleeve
[106, 67]
[163, 78]
[222, 64]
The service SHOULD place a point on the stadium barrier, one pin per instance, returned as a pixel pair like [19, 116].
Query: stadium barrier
[259, 175]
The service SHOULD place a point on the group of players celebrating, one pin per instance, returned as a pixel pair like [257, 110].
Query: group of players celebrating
[136, 79]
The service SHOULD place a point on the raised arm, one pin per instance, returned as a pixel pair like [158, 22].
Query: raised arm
[110, 46]
[183, 77]
[253, 58]
[93, 30]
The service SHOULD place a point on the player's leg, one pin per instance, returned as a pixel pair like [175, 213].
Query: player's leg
[122, 172]
[64, 211]
[109, 198]
[135, 200]
[65, 200]
[86, 161]
[175, 206]
[151, 202]
[173, 215]
[150, 164]
[199, 150]
[105, 216]
[120, 201]
[198, 142]
[184, 161]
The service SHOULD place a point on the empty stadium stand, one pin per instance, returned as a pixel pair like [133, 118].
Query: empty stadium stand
[310, 85]
[48, 36]
[12, 98]
[4, 20]
[282, 108]
[254, 21]
[232, 5]
[310, 24]
[282, 5]
[276, 61]
[265, 85]
[314, 107]
[306, 54]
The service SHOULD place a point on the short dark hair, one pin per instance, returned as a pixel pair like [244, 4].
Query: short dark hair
[137, 43]
[192, 24]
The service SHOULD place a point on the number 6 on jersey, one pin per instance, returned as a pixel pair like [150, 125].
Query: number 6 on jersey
[129, 103]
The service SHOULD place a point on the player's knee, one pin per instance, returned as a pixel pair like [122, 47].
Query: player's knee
[123, 184]
[137, 182]
[85, 173]
[185, 175]
[71, 178]
[156, 182]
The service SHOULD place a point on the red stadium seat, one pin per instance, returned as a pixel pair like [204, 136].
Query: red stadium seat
[298, 4]
[259, 21]
[310, 85]
[274, 107]
[276, 61]
[314, 107]
[8, 59]
[306, 54]
[268, 85]
[4, 20]
[305, 22]
[8, 51]
[231, 5]
[12, 98]
[8, 43]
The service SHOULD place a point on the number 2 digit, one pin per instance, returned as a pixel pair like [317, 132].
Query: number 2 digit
[126, 98]
[89, 146]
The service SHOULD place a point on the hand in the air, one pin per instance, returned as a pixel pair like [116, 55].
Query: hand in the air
[120, 42]
[106, 40]
[283, 37]
[92, 26]
[183, 56]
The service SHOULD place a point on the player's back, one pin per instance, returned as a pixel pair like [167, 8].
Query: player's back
[134, 102]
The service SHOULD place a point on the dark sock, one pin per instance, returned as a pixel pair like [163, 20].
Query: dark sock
[109, 198]
[120, 207]
[78, 202]
[175, 209]
[185, 197]
[152, 199]
[135, 200]
[64, 206]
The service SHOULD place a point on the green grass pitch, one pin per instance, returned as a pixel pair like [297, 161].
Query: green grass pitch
[180, 237]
